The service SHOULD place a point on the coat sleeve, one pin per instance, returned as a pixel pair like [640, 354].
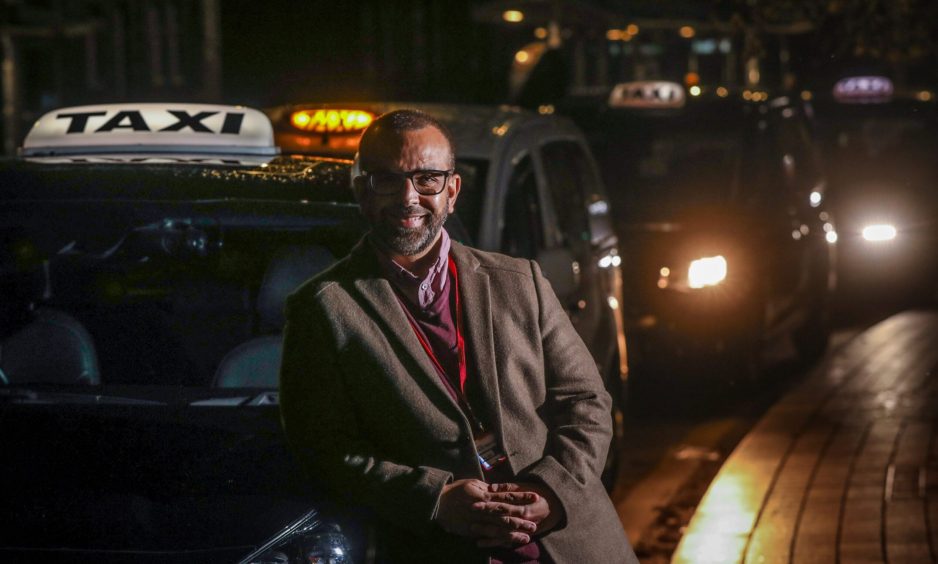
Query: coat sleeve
[579, 407]
[319, 421]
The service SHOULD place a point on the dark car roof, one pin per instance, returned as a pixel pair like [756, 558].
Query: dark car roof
[280, 178]
[476, 129]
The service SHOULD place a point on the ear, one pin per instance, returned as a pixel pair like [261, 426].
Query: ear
[455, 184]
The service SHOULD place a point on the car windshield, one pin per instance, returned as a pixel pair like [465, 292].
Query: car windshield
[657, 165]
[160, 275]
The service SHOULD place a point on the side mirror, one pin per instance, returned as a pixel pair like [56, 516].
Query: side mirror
[561, 269]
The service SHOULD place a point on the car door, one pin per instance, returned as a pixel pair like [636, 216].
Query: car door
[566, 175]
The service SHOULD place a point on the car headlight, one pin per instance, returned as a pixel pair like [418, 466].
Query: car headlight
[879, 232]
[307, 540]
[706, 271]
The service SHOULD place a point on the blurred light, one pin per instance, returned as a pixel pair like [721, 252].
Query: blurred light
[806, 95]
[665, 271]
[754, 76]
[513, 16]
[828, 227]
[831, 237]
[815, 199]
[522, 57]
[694, 90]
[614, 35]
[747, 95]
[722, 92]
[924, 96]
[691, 78]
[605, 262]
[545, 109]
[616, 260]
[613, 302]
[706, 271]
[540, 33]
[796, 235]
[879, 232]
[599, 207]
[824, 216]
[331, 121]
[631, 29]
[687, 32]
[863, 89]
[804, 229]
[725, 46]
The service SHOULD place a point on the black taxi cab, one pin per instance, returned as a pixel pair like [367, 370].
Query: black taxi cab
[880, 142]
[727, 251]
[530, 188]
[146, 251]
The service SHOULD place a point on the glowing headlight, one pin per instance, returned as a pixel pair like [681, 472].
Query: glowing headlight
[879, 232]
[706, 271]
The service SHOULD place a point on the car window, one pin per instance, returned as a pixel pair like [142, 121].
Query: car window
[568, 175]
[522, 224]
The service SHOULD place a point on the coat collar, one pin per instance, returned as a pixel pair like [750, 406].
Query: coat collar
[475, 294]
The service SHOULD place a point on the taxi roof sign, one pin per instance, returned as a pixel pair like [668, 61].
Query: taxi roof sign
[151, 128]
[863, 90]
[647, 94]
[329, 120]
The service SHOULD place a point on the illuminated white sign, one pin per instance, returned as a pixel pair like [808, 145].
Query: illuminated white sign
[863, 89]
[647, 94]
[151, 128]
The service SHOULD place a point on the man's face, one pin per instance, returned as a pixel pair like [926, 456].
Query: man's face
[406, 222]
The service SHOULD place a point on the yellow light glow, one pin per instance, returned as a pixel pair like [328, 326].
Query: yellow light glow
[691, 78]
[522, 57]
[694, 91]
[513, 16]
[331, 121]
[924, 96]
[879, 232]
[687, 32]
[545, 109]
[614, 35]
[665, 271]
[806, 95]
[747, 95]
[540, 33]
[706, 271]
[722, 92]
[632, 29]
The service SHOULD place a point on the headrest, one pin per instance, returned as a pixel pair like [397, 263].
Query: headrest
[289, 268]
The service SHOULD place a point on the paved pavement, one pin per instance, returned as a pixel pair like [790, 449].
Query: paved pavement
[843, 469]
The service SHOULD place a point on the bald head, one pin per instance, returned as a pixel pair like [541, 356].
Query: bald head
[386, 133]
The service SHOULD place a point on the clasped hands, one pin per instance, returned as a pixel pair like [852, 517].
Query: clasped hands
[497, 515]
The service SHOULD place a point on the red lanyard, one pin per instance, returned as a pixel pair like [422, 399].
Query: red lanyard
[458, 395]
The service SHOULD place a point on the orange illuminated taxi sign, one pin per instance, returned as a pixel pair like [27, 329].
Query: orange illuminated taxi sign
[331, 120]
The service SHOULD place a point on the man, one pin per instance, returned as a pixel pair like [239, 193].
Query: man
[443, 387]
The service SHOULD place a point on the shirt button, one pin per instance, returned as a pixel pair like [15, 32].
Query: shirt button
[423, 286]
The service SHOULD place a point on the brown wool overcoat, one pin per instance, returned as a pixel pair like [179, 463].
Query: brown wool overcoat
[365, 410]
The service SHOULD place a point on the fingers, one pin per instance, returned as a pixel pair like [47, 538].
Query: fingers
[514, 539]
[494, 508]
[506, 531]
[514, 498]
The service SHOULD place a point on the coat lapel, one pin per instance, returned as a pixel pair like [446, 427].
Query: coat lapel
[379, 297]
[475, 298]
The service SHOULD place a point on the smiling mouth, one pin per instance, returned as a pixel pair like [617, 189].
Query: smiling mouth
[408, 221]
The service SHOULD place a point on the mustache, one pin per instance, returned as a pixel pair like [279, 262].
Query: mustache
[401, 211]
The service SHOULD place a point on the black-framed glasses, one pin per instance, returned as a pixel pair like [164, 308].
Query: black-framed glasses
[426, 182]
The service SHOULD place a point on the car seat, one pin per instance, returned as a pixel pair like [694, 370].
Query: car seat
[256, 363]
[53, 347]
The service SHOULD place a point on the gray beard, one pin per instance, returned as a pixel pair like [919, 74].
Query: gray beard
[409, 242]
